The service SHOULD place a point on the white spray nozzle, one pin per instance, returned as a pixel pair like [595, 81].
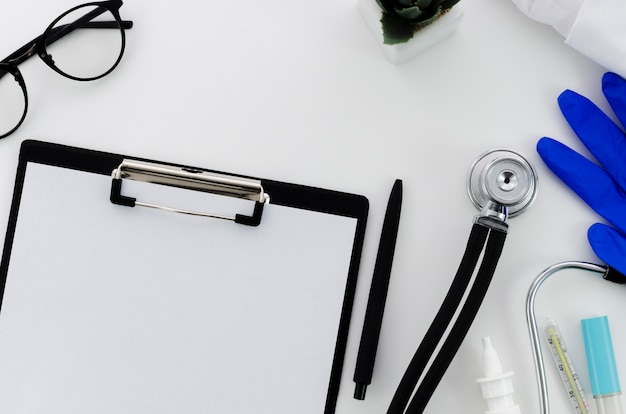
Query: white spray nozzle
[496, 386]
[491, 361]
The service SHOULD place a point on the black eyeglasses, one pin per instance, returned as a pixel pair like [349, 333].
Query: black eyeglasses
[74, 45]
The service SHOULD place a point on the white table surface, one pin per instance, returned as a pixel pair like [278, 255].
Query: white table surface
[300, 91]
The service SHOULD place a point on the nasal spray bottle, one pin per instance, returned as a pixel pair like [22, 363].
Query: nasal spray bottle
[602, 368]
[496, 385]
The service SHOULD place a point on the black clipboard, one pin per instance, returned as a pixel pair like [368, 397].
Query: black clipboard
[108, 306]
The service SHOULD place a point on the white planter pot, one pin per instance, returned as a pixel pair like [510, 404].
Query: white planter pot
[426, 37]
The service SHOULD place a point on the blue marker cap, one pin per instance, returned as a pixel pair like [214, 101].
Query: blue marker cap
[600, 356]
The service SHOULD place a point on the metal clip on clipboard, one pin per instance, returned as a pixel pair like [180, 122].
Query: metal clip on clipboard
[191, 179]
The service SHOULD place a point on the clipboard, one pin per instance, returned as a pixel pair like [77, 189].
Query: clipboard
[112, 307]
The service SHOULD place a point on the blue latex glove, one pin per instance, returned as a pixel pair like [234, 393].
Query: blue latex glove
[602, 187]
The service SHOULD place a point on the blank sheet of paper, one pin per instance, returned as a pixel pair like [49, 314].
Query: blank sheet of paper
[112, 309]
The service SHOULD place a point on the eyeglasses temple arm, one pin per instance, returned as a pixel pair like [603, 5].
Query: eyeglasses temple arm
[86, 21]
[126, 24]
[66, 29]
[29, 49]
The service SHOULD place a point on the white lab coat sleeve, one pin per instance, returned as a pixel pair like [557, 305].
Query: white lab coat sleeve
[599, 32]
[596, 28]
[560, 14]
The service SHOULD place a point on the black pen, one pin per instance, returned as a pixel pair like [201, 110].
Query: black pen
[378, 294]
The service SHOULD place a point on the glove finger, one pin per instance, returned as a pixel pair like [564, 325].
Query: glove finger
[598, 132]
[609, 245]
[614, 88]
[586, 179]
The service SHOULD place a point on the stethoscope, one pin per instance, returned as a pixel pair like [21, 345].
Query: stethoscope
[501, 184]
[607, 272]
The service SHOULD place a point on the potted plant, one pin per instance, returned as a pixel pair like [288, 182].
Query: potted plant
[405, 28]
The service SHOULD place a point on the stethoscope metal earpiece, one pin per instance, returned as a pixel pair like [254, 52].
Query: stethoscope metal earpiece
[502, 181]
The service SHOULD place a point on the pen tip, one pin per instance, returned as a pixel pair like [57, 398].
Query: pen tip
[359, 391]
[396, 190]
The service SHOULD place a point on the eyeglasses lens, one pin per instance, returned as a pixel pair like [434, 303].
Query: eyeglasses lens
[86, 43]
[12, 103]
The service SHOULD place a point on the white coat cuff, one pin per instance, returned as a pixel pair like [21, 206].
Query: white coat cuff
[599, 32]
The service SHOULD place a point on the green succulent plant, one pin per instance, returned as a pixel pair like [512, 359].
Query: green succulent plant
[402, 18]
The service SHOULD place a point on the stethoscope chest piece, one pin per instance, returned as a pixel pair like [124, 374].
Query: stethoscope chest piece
[502, 177]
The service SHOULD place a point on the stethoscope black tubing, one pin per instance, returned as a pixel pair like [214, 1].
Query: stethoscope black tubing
[493, 250]
[475, 244]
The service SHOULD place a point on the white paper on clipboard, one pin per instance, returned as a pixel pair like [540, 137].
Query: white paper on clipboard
[110, 309]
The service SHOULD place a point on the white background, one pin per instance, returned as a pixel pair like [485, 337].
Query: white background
[300, 91]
